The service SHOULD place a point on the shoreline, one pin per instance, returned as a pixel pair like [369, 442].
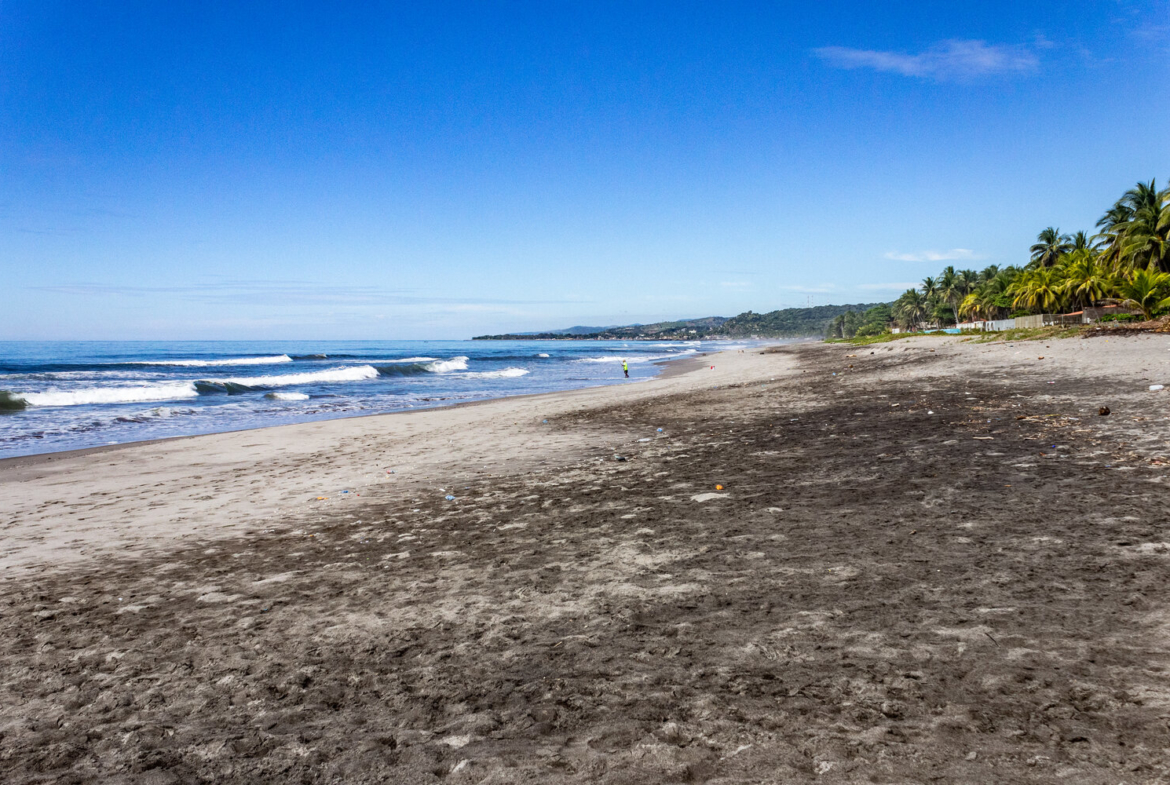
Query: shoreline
[925, 560]
[668, 371]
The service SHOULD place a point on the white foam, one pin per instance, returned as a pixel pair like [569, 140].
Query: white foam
[353, 373]
[446, 366]
[270, 360]
[506, 373]
[96, 395]
[637, 359]
[542, 355]
[408, 360]
[287, 396]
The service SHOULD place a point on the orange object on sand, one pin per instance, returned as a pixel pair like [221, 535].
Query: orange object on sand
[718, 487]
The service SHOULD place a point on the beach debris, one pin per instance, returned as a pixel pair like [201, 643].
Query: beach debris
[718, 487]
[1156, 387]
[645, 440]
[345, 491]
[706, 497]
[544, 422]
[621, 458]
[449, 498]
[1041, 357]
[928, 411]
[660, 430]
[322, 498]
[1103, 411]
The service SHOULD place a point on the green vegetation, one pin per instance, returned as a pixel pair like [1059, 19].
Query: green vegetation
[1051, 332]
[784, 323]
[1127, 263]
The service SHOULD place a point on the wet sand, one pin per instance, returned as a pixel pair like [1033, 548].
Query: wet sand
[929, 561]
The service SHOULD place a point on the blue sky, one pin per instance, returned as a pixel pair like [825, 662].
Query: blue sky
[434, 170]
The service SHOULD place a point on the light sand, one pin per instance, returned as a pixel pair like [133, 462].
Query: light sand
[56, 510]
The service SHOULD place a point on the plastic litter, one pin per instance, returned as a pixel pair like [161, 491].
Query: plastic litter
[449, 498]
[718, 487]
[1104, 410]
[1154, 387]
[619, 458]
[644, 440]
[660, 430]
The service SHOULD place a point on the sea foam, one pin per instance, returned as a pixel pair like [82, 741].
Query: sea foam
[98, 395]
[446, 366]
[506, 373]
[270, 360]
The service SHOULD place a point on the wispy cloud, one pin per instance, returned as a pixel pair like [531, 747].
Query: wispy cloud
[953, 255]
[889, 286]
[284, 293]
[945, 61]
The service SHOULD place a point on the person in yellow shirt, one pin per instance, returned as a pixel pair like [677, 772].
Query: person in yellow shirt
[626, 368]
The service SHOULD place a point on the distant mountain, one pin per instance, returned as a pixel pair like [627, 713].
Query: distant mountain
[786, 323]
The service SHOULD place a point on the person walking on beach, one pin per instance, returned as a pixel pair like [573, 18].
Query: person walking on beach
[626, 368]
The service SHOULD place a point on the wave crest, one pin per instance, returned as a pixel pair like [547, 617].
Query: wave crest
[354, 373]
[506, 373]
[270, 360]
[97, 395]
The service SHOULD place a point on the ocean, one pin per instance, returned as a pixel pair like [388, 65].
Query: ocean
[67, 395]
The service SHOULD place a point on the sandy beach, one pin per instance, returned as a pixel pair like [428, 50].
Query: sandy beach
[925, 560]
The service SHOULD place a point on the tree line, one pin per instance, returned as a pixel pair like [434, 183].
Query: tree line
[1126, 262]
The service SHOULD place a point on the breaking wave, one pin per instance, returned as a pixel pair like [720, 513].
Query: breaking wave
[10, 402]
[413, 366]
[97, 395]
[636, 359]
[355, 373]
[446, 366]
[271, 360]
[287, 396]
[506, 373]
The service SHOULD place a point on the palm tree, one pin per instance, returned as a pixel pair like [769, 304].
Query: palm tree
[1039, 288]
[911, 308]
[1051, 245]
[1086, 277]
[1147, 290]
[1081, 241]
[950, 289]
[1146, 239]
[929, 288]
[1113, 225]
[988, 273]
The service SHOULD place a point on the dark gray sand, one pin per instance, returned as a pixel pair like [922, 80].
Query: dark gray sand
[876, 595]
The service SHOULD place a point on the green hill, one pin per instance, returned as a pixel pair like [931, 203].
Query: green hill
[784, 323]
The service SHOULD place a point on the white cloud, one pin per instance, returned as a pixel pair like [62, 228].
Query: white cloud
[947, 60]
[889, 286]
[953, 255]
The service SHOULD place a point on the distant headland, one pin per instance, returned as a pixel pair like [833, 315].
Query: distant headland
[784, 323]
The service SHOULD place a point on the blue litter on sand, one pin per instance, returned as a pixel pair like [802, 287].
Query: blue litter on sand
[660, 430]
[449, 498]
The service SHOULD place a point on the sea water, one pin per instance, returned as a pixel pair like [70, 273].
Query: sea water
[63, 396]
